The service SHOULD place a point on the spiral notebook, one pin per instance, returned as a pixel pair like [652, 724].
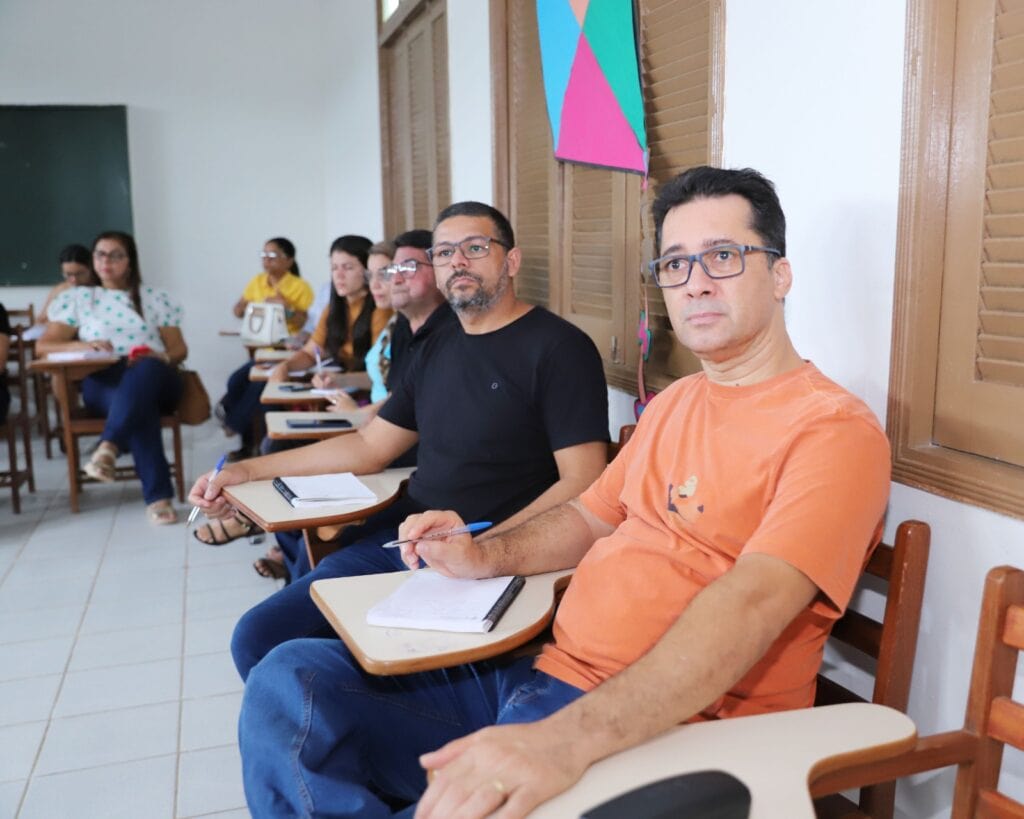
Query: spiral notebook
[310, 491]
[431, 601]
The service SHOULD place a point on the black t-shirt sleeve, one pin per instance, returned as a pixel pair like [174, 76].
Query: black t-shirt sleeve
[573, 393]
[5, 323]
[400, 408]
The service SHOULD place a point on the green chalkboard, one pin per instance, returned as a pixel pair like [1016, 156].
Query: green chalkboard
[63, 179]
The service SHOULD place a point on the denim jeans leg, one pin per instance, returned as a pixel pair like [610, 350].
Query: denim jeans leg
[291, 614]
[238, 383]
[320, 737]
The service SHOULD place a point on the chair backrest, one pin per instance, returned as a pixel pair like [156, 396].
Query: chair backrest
[25, 316]
[891, 643]
[993, 718]
[992, 713]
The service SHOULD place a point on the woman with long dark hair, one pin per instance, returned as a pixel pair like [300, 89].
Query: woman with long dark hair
[351, 322]
[141, 325]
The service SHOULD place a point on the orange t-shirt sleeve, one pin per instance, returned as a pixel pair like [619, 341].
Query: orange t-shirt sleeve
[603, 498]
[319, 335]
[826, 512]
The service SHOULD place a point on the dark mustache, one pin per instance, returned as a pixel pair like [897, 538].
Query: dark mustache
[463, 274]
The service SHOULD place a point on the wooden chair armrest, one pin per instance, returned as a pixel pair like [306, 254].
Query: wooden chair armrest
[930, 753]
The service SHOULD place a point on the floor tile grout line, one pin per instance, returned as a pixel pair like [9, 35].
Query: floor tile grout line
[64, 674]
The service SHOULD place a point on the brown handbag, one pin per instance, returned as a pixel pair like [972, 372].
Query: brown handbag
[194, 407]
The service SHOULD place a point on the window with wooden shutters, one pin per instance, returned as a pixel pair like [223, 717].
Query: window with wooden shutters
[957, 390]
[414, 108]
[586, 233]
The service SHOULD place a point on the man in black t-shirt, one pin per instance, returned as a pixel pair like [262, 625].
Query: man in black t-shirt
[511, 416]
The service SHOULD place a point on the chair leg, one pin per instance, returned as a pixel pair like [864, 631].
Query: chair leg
[74, 484]
[26, 432]
[43, 408]
[12, 454]
[179, 463]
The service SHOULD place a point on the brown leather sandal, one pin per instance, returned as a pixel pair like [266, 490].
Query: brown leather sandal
[220, 535]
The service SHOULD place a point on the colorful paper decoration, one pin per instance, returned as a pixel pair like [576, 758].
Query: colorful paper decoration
[592, 82]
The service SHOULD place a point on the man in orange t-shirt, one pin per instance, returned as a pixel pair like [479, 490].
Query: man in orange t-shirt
[713, 556]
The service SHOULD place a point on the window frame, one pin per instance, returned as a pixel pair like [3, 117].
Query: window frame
[920, 258]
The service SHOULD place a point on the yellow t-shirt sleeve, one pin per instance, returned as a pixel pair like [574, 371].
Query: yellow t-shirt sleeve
[297, 292]
[255, 289]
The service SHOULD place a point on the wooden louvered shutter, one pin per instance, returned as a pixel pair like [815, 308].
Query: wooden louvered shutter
[979, 397]
[532, 166]
[676, 66]
[593, 252]
[414, 65]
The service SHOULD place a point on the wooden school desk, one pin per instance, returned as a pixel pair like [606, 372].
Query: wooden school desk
[344, 601]
[774, 755]
[261, 370]
[273, 395]
[263, 504]
[264, 354]
[278, 429]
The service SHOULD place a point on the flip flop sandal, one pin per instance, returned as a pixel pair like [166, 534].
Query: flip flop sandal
[220, 536]
[161, 513]
[271, 568]
[101, 466]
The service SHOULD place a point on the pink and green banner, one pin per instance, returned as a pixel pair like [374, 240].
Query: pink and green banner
[592, 82]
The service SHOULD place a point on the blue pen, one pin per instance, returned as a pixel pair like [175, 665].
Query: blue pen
[195, 509]
[468, 529]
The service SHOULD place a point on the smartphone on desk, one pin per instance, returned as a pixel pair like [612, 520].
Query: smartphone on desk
[295, 388]
[318, 423]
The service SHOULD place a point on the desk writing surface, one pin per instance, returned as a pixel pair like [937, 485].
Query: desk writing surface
[261, 370]
[273, 354]
[264, 504]
[379, 650]
[278, 429]
[773, 754]
[273, 394]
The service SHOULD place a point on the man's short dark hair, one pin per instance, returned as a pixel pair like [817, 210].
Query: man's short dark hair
[418, 238]
[705, 182]
[501, 224]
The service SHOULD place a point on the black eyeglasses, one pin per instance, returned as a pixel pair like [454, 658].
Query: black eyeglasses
[719, 262]
[474, 247]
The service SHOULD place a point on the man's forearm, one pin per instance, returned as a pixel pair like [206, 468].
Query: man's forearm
[552, 540]
[344, 453]
[725, 630]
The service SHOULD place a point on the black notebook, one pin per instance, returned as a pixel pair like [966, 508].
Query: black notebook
[697, 795]
[428, 600]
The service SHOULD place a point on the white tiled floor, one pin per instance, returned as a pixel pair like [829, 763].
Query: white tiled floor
[117, 692]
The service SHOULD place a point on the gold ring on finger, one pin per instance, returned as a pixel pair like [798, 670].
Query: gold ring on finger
[500, 788]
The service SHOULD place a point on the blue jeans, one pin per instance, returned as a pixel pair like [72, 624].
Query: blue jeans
[321, 737]
[133, 399]
[291, 614]
[242, 403]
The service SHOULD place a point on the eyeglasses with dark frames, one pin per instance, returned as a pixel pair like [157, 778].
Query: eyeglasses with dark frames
[719, 262]
[473, 247]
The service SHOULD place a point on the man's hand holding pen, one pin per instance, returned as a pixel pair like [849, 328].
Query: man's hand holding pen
[456, 556]
[206, 491]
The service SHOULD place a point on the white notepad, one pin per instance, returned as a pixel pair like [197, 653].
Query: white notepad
[431, 601]
[79, 355]
[310, 491]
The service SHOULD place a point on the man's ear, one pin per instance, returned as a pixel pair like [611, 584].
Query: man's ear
[514, 258]
[782, 278]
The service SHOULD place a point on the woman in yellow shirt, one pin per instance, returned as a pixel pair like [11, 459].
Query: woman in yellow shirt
[279, 283]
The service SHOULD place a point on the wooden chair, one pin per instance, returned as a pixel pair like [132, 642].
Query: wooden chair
[14, 476]
[75, 422]
[993, 718]
[322, 541]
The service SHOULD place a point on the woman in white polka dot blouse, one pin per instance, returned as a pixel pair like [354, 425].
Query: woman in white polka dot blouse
[142, 325]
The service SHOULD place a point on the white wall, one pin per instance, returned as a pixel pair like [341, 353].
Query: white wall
[245, 121]
[469, 80]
